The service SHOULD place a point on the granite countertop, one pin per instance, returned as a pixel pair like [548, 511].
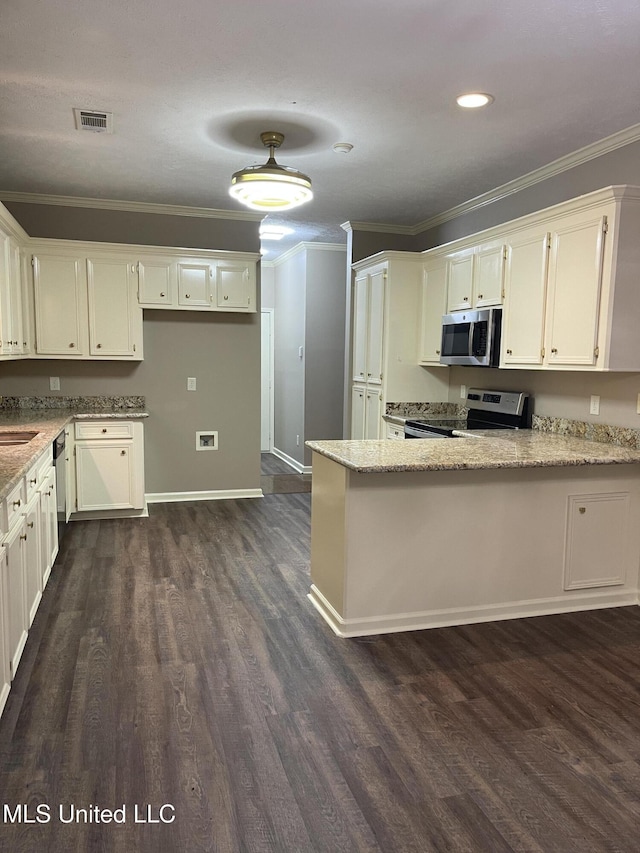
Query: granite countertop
[474, 450]
[16, 460]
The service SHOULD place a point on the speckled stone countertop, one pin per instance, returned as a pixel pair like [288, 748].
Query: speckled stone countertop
[476, 450]
[48, 423]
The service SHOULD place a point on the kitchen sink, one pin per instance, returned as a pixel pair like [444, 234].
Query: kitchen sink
[9, 439]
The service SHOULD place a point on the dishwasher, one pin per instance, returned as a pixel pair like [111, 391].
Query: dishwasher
[60, 464]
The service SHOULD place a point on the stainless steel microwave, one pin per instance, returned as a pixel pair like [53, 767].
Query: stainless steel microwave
[472, 337]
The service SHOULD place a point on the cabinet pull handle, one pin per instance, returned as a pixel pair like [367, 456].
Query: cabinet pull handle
[17, 503]
[123, 453]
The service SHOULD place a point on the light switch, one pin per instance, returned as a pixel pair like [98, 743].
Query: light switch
[191, 383]
[54, 383]
[594, 408]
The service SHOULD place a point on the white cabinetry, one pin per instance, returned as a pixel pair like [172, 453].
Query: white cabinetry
[572, 299]
[385, 339]
[214, 281]
[48, 522]
[475, 276]
[86, 306]
[17, 618]
[109, 465]
[434, 303]
[5, 668]
[13, 340]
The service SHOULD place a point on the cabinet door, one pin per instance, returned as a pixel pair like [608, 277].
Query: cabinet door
[373, 413]
[106, 476]
[235, 286]
[32, 557]
[194, 285]
[69, 496]
[489, 275]
[375, 327]
[60, 305]
[525, 289]
[13, 334]
[460, 270]
[434, 300]
[157, 282]
[115, 319]
[357, 413]
[5, 668]
[48, 524]
[16, 609]
[575, 280]
[6, 343]
[360, 303]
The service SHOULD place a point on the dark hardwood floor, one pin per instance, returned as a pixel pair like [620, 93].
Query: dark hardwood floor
[278, 478]
[176, 660]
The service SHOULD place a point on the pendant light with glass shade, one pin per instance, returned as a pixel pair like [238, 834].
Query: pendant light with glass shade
[271, 187]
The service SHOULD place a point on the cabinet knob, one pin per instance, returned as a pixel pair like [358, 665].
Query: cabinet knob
[23, 536]
[554, 350]
[104, 429]
[582, 509]
[509, 352]
[162, 293]
[30, 524]
[98, 346]
[480, 296]
[17, 503]
[123, 453]
[226, 297]
[187, 296]
[72, 345]
[466, 299]
[437, 352]
[33, 481]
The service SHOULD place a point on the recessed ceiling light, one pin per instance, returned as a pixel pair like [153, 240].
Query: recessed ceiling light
[274, 232]
[473, 100]
[343, 147]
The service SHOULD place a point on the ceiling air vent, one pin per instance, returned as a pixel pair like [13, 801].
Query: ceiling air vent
[94, 120]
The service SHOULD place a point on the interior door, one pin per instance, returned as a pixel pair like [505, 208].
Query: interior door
[266, 381]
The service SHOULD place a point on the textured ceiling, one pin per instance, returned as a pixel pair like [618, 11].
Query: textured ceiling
[192, 84]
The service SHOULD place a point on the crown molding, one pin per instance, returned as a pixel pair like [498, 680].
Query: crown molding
[562, 164]
[302, 246]
[379, 227]
[130, 206]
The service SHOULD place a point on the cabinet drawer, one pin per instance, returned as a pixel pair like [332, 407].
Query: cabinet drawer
[32, 479]
[395, 432]
[104, 429]
[13, 506]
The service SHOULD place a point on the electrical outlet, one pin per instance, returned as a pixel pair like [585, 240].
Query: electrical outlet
[463, 392]
[594, 408]
[54, 383]
[191, 383]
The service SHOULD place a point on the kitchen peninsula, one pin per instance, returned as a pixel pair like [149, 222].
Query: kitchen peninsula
[490, 525]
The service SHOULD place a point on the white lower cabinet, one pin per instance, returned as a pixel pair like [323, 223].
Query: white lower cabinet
[17, 624]
[32, 557]
[48, 524]
[5, 668]
[366, 413]
[109, 466]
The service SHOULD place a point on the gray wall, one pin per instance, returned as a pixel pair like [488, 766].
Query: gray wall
[325, 345]
[289, 334]
[221, 350]
[310, 296]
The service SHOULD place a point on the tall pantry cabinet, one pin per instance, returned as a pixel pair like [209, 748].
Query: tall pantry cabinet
[385, 333]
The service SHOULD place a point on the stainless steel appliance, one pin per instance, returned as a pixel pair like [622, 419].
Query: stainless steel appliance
[59, 460]
[472, 337]
[487, 410]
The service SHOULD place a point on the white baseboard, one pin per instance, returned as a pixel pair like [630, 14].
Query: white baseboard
[297, 466]
[217, 495]
[97, 515]
[388, 624]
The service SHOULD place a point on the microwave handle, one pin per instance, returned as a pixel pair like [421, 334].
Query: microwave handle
[471, 330]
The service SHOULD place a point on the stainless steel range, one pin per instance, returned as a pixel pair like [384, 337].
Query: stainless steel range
[487, 410]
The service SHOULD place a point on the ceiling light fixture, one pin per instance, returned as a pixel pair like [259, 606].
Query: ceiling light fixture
[271, 186]
[474, 100]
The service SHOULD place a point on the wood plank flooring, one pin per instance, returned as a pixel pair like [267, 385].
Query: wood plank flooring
[176, 660]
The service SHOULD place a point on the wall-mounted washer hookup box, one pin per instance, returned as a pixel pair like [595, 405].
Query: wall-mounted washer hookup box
[207, 440]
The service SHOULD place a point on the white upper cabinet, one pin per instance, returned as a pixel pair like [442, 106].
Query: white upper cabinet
[235, 286]
[194, 285]
[434, 302]
[115, 319]
[60, 297]
[157, 279]
[525, 296]
[13, 313]
[475, 276]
